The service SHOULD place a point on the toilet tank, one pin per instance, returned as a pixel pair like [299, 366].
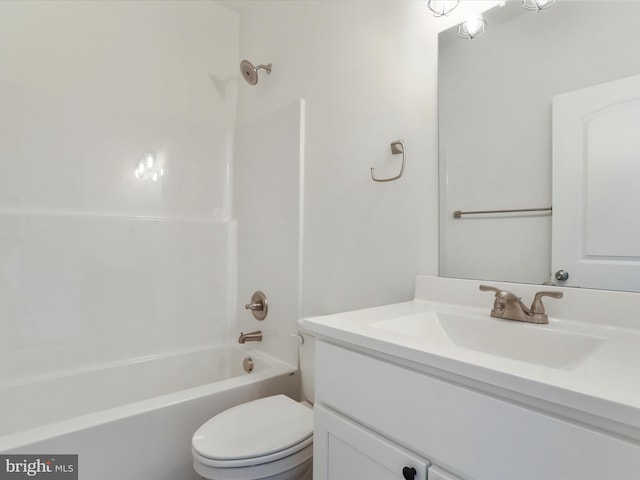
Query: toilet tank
[307, 355]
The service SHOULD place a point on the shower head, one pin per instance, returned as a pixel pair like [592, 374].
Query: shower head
[250, 73]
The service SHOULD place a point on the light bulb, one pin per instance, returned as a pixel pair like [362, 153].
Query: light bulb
[537, 5]
[442, 8]
[474, 24]
[472, 27]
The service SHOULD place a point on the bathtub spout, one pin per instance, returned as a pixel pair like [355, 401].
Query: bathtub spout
[250, 337]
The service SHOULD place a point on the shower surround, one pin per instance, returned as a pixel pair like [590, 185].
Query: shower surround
[96, 264]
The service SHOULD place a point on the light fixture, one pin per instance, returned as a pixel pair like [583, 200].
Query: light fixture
[537, 5]
[440, 8]
[472, 27]
[149, 168]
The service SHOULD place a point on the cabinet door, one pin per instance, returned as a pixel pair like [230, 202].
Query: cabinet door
[436, 473]
[348, 451]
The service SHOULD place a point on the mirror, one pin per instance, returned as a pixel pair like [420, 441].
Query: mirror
[495, 132]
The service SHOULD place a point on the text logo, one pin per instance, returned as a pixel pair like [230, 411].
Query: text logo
[44, 467]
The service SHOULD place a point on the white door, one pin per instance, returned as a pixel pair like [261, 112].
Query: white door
[344, 450]
[596, 186]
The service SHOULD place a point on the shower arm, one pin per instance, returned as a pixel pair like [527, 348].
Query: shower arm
[265, 67]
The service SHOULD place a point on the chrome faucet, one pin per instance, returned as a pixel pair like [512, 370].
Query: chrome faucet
[509, 306]
[250, 337]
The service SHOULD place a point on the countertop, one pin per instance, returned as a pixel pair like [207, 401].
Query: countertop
[600, 389]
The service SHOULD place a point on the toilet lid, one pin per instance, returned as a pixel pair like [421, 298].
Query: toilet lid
[255, 429]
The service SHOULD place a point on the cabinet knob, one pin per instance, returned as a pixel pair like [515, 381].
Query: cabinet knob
[409, 473]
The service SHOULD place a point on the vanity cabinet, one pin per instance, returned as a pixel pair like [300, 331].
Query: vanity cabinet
[376, 416]
[349, 452]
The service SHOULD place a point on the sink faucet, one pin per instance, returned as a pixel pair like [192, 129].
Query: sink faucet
[250, 337]
[509, 306]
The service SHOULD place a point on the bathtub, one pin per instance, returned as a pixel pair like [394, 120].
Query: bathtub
[134, 420]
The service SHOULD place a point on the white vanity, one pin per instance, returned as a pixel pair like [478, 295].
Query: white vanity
[436, 388]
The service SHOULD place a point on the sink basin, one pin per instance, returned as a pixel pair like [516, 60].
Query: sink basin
[536, 344]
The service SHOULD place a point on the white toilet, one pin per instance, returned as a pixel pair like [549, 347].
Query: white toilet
[267, 439]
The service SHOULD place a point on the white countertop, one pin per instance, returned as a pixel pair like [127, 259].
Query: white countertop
[602, 389]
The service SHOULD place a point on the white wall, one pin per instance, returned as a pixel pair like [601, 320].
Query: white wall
[96, 265]
[367, 73]
[100, 83]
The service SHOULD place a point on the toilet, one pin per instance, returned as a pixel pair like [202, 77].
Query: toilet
[266, 439]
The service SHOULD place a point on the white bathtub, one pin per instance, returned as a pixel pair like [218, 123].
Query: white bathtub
[134, 421]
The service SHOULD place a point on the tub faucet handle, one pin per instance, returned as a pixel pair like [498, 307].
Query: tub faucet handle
[258, 306]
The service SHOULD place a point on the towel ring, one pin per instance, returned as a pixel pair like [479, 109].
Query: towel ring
[396, 147]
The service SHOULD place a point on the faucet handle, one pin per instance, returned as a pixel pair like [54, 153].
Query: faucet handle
[498, 303]
[537, 307]
[489, 288]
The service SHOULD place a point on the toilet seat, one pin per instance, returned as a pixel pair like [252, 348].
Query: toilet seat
[254, 433]
[294, 467]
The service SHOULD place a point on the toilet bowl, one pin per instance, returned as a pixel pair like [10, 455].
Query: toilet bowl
[266, 439]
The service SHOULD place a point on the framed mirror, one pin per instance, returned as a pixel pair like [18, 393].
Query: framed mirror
[495, 95]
